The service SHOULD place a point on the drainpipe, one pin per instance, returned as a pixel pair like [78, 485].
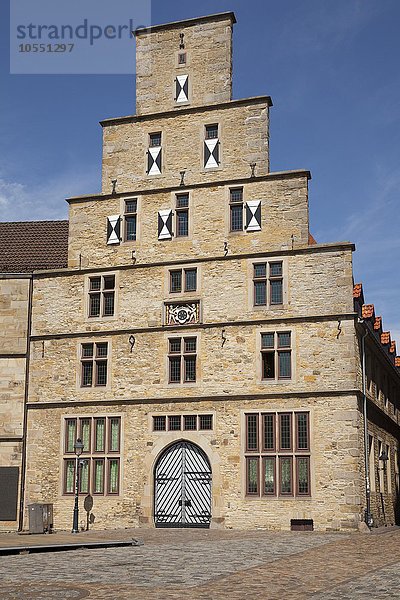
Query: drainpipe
[368, 516]
[25, 417]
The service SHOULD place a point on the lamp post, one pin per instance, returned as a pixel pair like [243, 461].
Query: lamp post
[78, 448]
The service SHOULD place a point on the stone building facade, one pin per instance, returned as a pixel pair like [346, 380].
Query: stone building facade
[21, 252]
[205, 349]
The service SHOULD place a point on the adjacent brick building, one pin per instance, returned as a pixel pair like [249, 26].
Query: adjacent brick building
[203, 346]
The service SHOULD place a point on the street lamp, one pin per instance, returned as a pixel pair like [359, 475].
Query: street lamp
[78, 448]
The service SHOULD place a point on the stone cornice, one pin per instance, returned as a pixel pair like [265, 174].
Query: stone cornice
[197, 326]
[314, 249]
[193, 399]
[187, 110]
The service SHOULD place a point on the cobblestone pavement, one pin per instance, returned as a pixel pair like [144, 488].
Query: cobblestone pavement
[211, 565]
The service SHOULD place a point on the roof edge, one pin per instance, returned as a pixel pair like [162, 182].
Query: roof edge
[187, 22]
[186, 110]
[222, 182]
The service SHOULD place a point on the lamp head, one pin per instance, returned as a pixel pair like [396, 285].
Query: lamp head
[78, 447]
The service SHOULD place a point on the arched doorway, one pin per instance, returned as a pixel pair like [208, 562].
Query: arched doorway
[182, 487]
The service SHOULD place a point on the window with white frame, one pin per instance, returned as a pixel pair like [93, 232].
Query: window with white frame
[277, 454]
[99, 462]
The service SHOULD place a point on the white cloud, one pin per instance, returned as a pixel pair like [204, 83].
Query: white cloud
[44, 200]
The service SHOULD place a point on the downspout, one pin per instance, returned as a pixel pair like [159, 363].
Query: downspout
[368, 516]
[25, 416]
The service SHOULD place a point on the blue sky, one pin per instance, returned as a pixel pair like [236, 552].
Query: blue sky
[331, 68]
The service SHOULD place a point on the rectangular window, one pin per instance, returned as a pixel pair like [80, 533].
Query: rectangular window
[276, 356]
[183, 280]
[182, 58]
[268, 432]
[285, 431]
[98, 483]
[155, 139]
[268, 283]
[84, 433]
[70, 435]
[285, 475]
[252, 468]
[277, 468]
[174, 423]
[101, 296]
[159, 423]
[182, 360]
[69, 476]
[84, 476]
[190, 422]
[303, 475]
[302, 433]
[130, 220]
[236, 209]
[205, 422]
[100, 440]
[94, 364]
[113, 476]
[211, 131]
[99, 467]
[114, 434]
[182, 215]
[268, 479]
[252, 432]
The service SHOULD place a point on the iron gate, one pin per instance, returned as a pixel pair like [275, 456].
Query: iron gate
[182, 494]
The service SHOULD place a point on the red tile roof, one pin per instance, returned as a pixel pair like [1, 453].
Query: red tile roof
[368, 311]
[33, 245]
[311, 240]
[385, 337]
[358, 290]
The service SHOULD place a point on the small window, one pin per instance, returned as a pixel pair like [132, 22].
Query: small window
[101, 296]
[190, 422]
[159, 423]
[276, 355]
[205, 422]
[174, 423]
[236, 209]
[182, 58]
[94, 364]
[183, 280]
[182, 215]
[268, 276]
[211, 131]
[130, 219]
[155, 139]
[182, 360]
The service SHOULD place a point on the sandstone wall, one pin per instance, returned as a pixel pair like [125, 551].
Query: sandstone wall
[335, 489]
[208, 48]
